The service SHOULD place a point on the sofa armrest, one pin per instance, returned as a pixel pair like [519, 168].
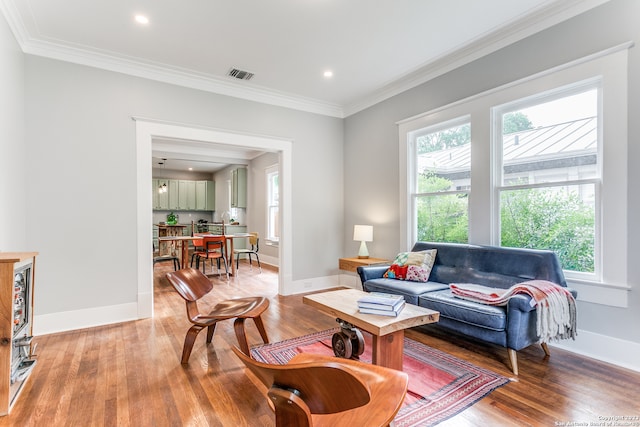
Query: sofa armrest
[520, 302]
[370, 272]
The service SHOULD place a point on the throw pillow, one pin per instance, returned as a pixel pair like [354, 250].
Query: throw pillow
[413, 266]
[418, 274]
[396, 271]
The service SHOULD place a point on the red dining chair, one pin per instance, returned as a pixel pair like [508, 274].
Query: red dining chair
[214, 248]
[198, 247]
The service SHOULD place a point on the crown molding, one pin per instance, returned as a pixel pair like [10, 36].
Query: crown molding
[159, 72]
[179, 77]
[544, 17]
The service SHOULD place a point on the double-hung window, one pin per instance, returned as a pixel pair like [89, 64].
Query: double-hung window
[538, 163]
[273, 186]
[441, 181]
[549, 174]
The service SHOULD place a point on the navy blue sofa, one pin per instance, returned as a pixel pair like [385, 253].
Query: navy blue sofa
[512, 326]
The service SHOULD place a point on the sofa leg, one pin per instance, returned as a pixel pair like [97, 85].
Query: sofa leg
[545, 347]
[513, 358]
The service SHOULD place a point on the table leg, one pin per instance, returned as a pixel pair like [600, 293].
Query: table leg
[185, 254]
[388, 350]
[230, 258]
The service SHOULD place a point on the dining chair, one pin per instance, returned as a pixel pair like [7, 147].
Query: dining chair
[192, 285]
[165, 258]
[197, 247]
[253, 241]
[214, 248]
[318, 390]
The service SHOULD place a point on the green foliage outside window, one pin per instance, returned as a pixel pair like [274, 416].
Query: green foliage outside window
[532, 218]
[441, 218]
[549, 219]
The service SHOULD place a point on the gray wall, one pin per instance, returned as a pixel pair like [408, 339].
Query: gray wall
[371, 138]
[82, 157]
[13, 194]
[257, 210]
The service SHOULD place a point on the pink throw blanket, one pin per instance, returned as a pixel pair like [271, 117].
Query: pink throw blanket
[555, 306]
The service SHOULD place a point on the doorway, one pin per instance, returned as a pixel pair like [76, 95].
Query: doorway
[146, 131]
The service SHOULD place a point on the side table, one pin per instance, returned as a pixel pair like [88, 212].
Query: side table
[350, 264]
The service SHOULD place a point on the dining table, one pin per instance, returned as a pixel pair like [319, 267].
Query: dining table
[229, 238]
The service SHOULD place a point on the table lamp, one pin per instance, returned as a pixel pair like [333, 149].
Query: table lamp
[363, 234]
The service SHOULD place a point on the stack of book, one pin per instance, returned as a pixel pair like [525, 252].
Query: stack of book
[381, 303]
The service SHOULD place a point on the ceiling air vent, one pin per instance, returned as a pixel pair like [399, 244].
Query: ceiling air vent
[240, 74]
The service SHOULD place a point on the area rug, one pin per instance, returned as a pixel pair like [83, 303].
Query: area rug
[440, 385]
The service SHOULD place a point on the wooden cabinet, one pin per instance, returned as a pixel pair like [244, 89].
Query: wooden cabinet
[239, 188]
[173, 248]
[16, 324]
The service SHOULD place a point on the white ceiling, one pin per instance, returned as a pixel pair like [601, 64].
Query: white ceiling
[375, 49]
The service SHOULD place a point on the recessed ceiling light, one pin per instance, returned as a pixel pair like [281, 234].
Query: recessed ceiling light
[190, 169]
[328, 73]
[141, 19]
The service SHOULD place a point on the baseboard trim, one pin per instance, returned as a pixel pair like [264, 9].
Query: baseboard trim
[45, 324]
[604, 348]
[314, 284]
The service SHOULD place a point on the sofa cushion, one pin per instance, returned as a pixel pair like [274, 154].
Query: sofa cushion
[410, 290]
[473, 313]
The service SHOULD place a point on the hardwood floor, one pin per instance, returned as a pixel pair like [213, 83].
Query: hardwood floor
[129, 374]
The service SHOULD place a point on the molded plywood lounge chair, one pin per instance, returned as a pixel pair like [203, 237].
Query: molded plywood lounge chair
[193, 285]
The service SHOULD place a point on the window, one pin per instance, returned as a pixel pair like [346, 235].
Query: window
[543, 165]
[440, 186]
[549, 175]
[273, 227]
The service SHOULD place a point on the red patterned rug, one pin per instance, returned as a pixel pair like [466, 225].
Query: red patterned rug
[440, 385]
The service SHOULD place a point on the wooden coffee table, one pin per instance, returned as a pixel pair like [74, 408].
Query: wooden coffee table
[388, 332]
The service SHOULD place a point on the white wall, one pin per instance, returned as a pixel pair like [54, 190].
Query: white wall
[13, 194]
[81, 145]
[371, 151]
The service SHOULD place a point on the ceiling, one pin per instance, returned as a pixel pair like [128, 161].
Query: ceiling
[198, 156]
[374, 51]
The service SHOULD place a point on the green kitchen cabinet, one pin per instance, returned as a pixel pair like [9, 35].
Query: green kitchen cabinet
[205, 196]
[160, 198]
[186, 195]
[239, 188]
[174, 202]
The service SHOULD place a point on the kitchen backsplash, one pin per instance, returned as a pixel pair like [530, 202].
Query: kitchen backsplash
[185, 217]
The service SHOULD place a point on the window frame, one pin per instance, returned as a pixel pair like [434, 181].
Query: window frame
[609, 67]
[413, 183]
[499, 186]
[269, 173]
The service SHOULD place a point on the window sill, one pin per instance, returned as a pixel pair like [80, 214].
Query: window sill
[274, 243]
[601, 293]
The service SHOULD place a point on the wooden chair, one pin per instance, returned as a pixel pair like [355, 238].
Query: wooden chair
[315, 390]
[214, 248]
[192, 285]
[253, 241]
[166, 258]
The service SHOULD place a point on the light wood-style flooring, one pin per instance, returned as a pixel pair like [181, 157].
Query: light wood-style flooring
[129, 374]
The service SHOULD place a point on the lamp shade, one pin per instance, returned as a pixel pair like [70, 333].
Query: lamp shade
[363, 233]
